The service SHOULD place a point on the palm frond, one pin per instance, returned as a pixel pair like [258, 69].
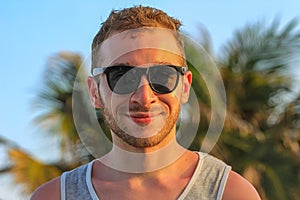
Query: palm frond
[30, 172]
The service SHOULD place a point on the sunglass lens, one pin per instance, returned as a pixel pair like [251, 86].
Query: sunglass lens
[163, 79]
[123, 80]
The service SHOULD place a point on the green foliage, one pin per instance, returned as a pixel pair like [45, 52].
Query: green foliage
[256, 137]
[30, 172]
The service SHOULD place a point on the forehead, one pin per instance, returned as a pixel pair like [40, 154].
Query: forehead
[148, 57]
[146, 43]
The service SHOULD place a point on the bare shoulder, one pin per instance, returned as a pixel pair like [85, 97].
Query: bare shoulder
[48, 191]
[238, 187]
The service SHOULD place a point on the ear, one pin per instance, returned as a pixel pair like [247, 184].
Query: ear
[94, 92]
[187, 82]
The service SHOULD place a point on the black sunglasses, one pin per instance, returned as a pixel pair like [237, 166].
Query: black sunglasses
[124, 79]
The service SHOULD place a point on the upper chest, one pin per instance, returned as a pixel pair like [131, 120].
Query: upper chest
[146, 189]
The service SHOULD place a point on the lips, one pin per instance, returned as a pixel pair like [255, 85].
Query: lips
[143, 118]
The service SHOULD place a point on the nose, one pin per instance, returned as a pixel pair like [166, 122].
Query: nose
[144, 95]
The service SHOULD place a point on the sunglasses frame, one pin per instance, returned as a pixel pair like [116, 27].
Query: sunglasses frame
[96, 71]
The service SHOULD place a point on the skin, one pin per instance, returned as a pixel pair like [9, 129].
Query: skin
[153, 179]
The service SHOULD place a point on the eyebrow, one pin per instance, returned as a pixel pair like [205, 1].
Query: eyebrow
[121, 64]
[128, 64]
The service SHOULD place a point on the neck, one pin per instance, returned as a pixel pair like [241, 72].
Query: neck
[141, 161]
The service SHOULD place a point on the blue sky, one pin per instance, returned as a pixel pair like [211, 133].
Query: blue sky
[32, 31]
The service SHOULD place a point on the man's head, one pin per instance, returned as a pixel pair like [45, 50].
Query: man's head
[140, 79]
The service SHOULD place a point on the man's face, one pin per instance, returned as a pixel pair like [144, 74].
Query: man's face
[142, 118]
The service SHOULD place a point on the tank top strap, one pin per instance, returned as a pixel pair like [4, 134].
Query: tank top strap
[209, 179]
[74, 183]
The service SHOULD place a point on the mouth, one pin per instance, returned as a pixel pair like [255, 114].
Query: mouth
[143, 118]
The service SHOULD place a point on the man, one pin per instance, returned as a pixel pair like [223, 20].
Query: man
[139, 81]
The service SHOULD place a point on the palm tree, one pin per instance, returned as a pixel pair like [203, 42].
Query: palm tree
[29, 172]
[257, 140]
[26, 170]
[54, 101]
[53, 106]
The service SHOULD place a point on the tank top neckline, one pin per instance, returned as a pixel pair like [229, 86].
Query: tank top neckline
[181, 196]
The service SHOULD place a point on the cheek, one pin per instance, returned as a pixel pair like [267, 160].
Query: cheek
[111, 101]
[177, 93]
[171, 101]
[104, 92]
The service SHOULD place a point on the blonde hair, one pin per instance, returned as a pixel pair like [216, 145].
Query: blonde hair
[133, 18]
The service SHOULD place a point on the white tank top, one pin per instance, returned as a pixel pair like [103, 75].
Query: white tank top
[207, 183]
